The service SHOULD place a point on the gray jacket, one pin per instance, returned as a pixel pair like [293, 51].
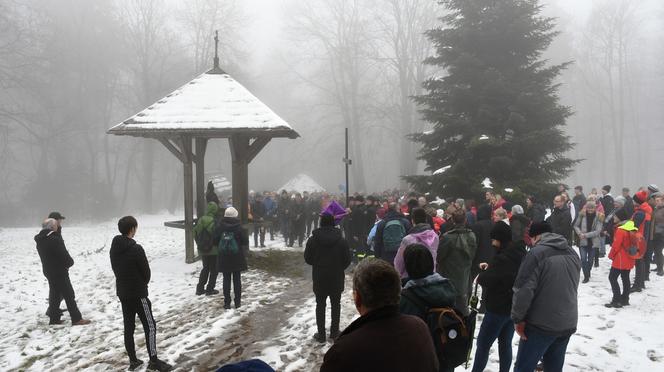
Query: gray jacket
[592, 232]
[545, 290]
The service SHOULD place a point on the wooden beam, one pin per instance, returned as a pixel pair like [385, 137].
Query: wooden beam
[185, 145]
[256, 147]
[201, 146]
[171, 147]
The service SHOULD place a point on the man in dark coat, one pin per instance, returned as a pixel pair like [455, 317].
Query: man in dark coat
[233, 245]
[534, 210]
[259, 217]
[297, 220]
[485, 252]
[579, 200]
[381, 339]
[132, 275]
[561, 219]
[56, 262]
[329, 255]
[283, 214]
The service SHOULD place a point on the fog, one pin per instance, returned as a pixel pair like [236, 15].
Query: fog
[71, 69]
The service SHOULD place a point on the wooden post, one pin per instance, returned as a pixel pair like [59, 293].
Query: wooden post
[185, 148]
[201, 146]
[239, 148]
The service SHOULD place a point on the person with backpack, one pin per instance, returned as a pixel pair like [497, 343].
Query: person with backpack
[627, 245]
[389, 233]
[132, 275]
[428, 296]
[497, 280]
[381, 339]
[420, 233]
[329, 255]
[454, 257]
[642, 217]
[207, 249]
[233, 245]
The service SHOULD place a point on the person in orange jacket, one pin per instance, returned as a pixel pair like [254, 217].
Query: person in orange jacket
[628, 245]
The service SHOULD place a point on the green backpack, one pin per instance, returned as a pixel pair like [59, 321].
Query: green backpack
[228, 243]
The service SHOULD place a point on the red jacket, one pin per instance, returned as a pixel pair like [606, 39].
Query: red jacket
[619, 255]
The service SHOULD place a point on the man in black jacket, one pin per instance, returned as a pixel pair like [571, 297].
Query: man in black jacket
[258, 214]
[132, 275]
[56, 262]
[233, 245]
[329, 255]
[561, 219]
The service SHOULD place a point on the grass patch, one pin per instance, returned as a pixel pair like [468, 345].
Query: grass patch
[278, 262]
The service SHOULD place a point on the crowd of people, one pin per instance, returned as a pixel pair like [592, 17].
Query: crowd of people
[418, 261]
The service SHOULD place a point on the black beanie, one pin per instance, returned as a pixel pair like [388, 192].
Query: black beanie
[502, 233]
[539, 228]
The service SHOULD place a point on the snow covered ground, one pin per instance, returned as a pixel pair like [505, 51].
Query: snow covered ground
[276, 322]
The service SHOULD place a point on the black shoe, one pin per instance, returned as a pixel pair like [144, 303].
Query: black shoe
[614, 304]
[596, 264]
[334, 334]
[227, 306]
[585, 280]
[262, 245]
[655, 269]
[624, 303]
[56, 322]
[635, 289]
[660, 273]
[159, 365]
[133, 364]
[212, 292]
[237, 304]
[646, 279]
[200, 291]
[319, 338]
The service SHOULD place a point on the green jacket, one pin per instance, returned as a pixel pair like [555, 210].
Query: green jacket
[433, 291]
[208, 223]
[456, 252]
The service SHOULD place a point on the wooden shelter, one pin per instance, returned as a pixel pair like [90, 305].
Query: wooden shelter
[213, 105]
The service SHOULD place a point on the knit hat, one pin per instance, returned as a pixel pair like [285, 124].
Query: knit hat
[606, 188]
[517, 209]
[539, 228]
[653, 188]
[640, 197]
[231, 212]
[620, 200]
[502, 233]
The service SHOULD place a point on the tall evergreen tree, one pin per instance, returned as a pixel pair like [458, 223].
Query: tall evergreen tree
[495, 111]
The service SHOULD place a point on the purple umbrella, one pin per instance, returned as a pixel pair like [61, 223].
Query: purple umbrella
[335, 210]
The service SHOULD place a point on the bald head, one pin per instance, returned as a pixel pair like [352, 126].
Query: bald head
[50, 224]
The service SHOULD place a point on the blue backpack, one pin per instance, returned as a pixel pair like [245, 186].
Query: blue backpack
[393, 234]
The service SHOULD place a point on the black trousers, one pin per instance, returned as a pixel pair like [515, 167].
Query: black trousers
[143, 308]
[259, 231]
[335, 301]
[296, 233]
[237, 288]
[639, 273]
[619, 296]
[59, 288]
[208, 273]
[658, 245]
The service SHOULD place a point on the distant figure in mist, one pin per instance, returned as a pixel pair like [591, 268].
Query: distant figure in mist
[132, 275]
[329, 255]
[211, 195]
[56, 262]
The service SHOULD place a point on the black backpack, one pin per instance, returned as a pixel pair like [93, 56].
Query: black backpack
[452, 333]
[204, 241]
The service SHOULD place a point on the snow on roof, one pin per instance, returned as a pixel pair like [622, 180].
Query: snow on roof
[486, 183]
[220, 184]
[484, 137]
[302, 183]
[442, 170]
[212, 104]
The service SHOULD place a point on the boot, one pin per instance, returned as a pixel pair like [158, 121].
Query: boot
[200, 290]
[135, 363]
[614, 304]
[320, 337]
[211, 292]
[159, 365]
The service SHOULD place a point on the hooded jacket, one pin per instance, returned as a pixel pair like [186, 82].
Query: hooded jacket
[456, 252]
[207, 222]
[482, 230]
[619, 256]
[545, 290]
[419, 234]
[432, 290]
[131, 268]
[329, 255]
[53, 254]
[498, 278]
[232, 262]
